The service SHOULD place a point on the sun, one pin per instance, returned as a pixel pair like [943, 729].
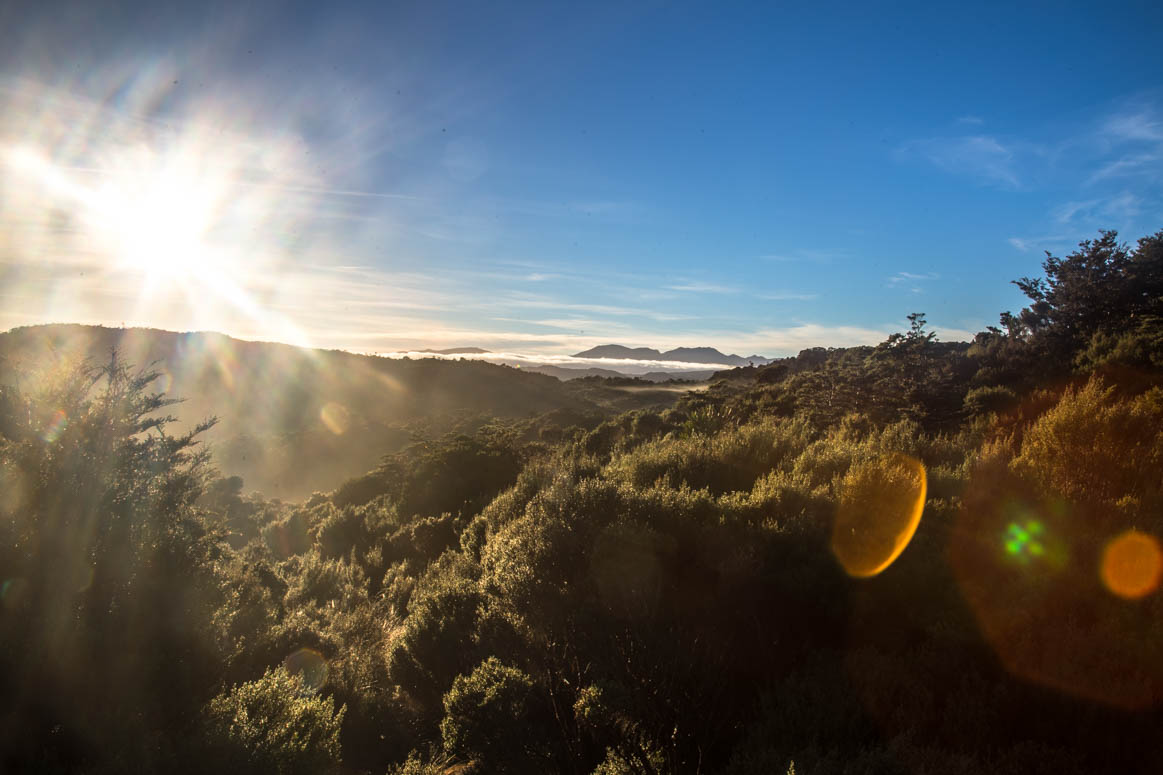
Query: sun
[155, 217]
[185, 225]
[149, 214]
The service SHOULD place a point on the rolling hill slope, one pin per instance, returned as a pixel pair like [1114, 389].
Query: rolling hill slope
[322, 415]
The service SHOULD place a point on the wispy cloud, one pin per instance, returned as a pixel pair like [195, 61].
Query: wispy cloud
[596, 309]
[1118, 207]
[983, 157]
[1134, 137]
[692, 286]
[785, 296]
[971, 120]
[806, 255]
[1142, 124]
[1047, 242]
[911, 280]
[1128, 166]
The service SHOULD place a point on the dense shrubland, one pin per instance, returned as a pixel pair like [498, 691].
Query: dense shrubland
[651, 593]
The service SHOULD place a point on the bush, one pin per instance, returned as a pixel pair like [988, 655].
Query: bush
[1096, 449]
[436, 642]
[987, 400]
[273, 725]
[490, 716]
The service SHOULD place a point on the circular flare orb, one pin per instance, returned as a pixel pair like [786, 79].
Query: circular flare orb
[1132, 565]
[310, 666]
[335, 417]
[880, 508]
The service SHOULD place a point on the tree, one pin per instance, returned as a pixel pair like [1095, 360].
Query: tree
[100, 529]
[1100, 287]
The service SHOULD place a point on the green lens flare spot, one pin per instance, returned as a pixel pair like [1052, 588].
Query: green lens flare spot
[1020, 540]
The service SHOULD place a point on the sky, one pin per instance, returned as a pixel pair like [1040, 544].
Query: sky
[544, 177]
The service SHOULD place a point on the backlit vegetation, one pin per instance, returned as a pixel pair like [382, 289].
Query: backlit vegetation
[919, 557]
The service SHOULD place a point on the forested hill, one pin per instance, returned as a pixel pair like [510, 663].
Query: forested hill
[294, 420]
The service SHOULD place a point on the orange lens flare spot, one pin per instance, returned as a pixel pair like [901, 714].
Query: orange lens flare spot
[1132, 565]
[335, 417]
[880, 508]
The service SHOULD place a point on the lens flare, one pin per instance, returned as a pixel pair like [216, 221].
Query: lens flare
[880, 509]
[1023, 541]
[1132, 564]
[1020, 558]
[310, 666]
[13, 593]
[335, 417]
[56, 426]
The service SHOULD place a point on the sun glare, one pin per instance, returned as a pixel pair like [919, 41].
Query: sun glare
[156, 221]
[147, 214]
[187, 220]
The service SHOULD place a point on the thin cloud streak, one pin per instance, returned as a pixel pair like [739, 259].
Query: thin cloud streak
[788, 296]
[700, 287]
[983, 157]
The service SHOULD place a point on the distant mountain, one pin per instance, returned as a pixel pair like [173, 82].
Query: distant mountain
[458, 351]
[618, 351]
[685, 354]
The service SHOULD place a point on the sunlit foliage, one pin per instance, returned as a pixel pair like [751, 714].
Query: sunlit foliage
[653, 591]
[275, 724]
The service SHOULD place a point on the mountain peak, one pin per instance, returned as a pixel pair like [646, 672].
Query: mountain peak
[684, 354]
[458, 351]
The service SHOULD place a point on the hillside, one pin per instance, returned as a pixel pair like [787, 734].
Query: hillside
[566, 373]
[293, 420]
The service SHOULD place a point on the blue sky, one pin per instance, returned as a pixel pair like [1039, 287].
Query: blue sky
[543, 177]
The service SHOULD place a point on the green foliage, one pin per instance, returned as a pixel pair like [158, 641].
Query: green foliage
[417, 765]
[990, 400]
[1140, 347]
[321, 581]
[98, 524]
[1101, 288]
[653, 592]
[273, 725]
[1094, 448]
[491, 716]
[458, 474]
[437, 639]
[723, 462]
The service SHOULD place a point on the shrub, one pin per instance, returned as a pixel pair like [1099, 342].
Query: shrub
[1094, 448]
[990, 400]
[272, 725]
[437, 639]
[490, 716]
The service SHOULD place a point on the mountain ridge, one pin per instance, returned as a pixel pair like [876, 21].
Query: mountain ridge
[708, 355]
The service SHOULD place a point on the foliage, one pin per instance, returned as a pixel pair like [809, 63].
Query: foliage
[649, 592]
[100, 530]
[273, 725]
[491, 717]
[1096, 449]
